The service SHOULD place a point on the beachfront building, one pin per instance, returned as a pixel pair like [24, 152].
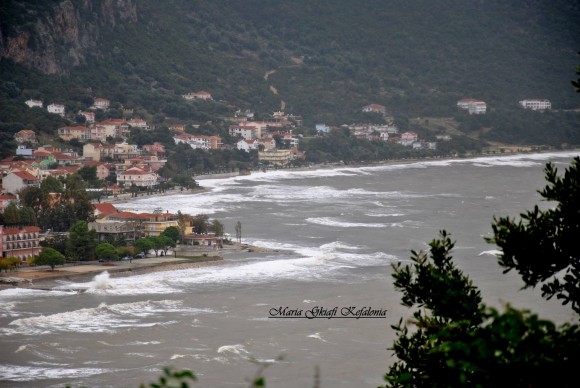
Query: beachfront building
[472, 105]
[138, 177]
[20, 242]
[536, 104]
[276, 157]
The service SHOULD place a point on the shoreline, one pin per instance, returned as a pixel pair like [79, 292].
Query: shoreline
[336, 165]
[43, 278]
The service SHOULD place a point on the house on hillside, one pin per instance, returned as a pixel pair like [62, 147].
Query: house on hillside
[247, 145]
[535, 104]
[56, 109]
[247, 132]
[26, 135]
[472, 105]
[374, 108]
[101, 103]
[89, 116]
[79, 132]
[408, 138]
[18, 180]
[33, 103]
[198, 96]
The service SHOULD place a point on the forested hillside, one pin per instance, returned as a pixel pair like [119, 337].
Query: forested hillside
[324, 59]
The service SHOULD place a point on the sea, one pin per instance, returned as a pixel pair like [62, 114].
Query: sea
[317, 308]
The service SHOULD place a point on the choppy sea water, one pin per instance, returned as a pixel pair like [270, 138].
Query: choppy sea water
[334, 232]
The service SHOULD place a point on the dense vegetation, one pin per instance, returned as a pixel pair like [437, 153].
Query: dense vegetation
[325, 60]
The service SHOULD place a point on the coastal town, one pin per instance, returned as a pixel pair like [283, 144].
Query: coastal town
[102, 164]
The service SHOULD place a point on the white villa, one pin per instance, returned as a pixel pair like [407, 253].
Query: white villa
[536, 104]
[472, 105]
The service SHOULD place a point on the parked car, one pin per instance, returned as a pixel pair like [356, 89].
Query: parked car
[140, 255]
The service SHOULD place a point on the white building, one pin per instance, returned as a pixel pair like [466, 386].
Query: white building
[473, 106]
[247, 132]
[536, 104]
[33, 103]
[101, 103]
[138, 177]
[247, 145]
[56, 109]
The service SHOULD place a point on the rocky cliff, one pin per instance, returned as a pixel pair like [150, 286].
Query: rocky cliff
[57, 37]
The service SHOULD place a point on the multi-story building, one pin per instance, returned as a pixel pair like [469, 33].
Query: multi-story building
[138, 177]
[536, 104]
[472, 105]
[79, 132]
[277, 157]
[17, 180]
[198, 141]
[20, 242]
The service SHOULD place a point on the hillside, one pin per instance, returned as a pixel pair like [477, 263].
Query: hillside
[324, 59]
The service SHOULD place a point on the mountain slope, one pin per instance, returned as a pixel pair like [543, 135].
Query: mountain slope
[326, 58]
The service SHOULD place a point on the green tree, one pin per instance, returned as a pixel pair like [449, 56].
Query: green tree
[157, 244]
[82, 242]
[50, 257]
[239, 232]
[89, 174]
[218, 228]
[106, 251]
[181, 224]
[143, 245]
[543, 245]
[51, 185]
[166, 243]
[9, 263]
[456, 341]
[172, 232]
[11, 214]
[200, 223]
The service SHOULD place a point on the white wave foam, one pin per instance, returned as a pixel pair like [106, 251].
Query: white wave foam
[102, 319]
[330, 221]
[237, 349]
[317, 336]
[27, 373]
[492, 252]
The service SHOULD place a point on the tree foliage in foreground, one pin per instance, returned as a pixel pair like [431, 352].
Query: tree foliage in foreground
[543, 245]
[454, 340]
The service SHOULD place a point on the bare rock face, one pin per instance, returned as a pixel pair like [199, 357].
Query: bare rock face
[62, 38]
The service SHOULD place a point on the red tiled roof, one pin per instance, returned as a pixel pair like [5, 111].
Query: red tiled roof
[25, 229]
[105, 208]
[25, 175]
[7, 196]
